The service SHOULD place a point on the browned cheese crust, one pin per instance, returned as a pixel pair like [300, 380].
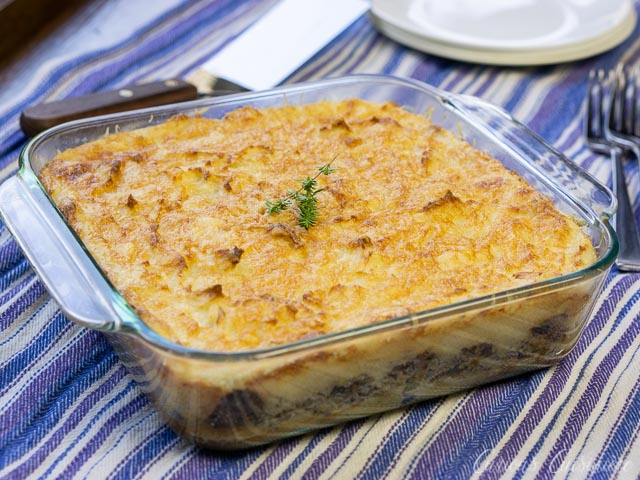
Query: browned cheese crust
[412, 218]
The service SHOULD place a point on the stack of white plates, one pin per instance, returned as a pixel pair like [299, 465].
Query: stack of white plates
[507, 32]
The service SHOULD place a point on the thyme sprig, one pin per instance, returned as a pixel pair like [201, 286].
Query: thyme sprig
[305, 198]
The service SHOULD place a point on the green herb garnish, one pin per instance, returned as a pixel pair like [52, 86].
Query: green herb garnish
[305, 198]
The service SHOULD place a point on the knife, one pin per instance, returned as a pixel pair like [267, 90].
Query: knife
[263, 56]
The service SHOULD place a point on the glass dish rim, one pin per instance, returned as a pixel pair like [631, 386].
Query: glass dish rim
[130, 323]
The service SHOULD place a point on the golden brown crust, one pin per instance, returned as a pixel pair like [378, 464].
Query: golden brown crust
[413, 218]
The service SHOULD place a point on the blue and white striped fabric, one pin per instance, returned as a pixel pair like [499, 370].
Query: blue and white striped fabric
[69, 409]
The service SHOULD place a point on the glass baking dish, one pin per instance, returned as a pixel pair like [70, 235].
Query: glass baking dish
[231, 400]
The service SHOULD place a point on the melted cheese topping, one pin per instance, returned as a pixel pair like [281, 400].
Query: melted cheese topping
[412, 218]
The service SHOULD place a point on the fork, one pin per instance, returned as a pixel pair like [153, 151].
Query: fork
[623, 124]
[606, 111]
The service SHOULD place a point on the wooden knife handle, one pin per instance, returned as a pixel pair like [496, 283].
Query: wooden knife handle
[36, 118]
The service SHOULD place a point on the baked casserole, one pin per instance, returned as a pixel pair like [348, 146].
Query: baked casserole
[411, 220]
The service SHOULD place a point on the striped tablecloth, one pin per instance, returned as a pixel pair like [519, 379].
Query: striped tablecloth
[69, 409]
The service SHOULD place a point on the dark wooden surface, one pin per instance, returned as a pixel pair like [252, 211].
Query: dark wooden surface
[25, 22]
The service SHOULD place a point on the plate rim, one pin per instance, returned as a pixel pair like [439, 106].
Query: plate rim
[510, 56]
[627, 15]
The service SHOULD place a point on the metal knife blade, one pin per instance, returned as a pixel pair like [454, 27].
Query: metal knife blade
[263, 56]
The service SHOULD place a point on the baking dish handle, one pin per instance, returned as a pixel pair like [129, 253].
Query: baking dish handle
[572, 178]
[42, 235]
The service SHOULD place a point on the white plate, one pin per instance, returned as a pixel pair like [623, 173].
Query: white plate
[507, 32]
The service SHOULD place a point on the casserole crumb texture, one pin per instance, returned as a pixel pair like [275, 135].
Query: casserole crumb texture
[413, 218]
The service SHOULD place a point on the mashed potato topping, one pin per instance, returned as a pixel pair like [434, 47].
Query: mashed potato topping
[412, 218]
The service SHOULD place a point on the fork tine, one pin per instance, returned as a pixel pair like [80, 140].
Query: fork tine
[617, 103]
[622, 93]
[626, 97]
[635, 106]
[591, 102]
[631, 101]
[594, 104]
